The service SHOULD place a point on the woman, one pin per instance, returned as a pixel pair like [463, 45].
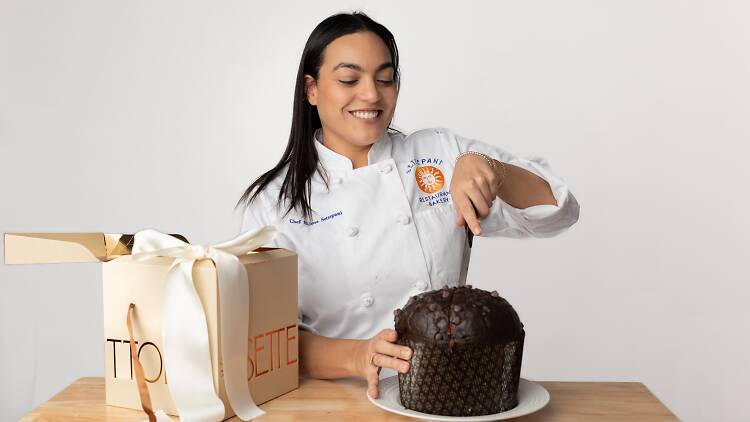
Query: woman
[376, 216]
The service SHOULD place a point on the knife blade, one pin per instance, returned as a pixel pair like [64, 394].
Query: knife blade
[466, 255]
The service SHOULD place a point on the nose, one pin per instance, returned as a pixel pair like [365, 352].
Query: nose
[369, 91]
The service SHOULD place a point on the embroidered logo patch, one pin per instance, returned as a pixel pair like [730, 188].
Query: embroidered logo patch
[429, 179]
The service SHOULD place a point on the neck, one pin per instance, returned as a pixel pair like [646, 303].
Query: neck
[357, 154]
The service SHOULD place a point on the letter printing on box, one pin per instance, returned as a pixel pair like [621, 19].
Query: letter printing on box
[171, 324]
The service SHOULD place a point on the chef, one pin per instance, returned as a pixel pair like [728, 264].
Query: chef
[375, 215]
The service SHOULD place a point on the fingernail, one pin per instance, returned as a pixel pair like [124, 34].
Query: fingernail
[407, 353]
[404, 367]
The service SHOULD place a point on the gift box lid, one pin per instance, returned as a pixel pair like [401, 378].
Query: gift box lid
[52, 248]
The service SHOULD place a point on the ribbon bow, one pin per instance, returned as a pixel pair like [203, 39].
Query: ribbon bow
[184, 330]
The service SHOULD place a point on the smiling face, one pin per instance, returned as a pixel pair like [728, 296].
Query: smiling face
[355, 92]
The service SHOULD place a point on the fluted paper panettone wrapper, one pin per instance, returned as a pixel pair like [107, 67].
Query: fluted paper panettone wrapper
[462, 381]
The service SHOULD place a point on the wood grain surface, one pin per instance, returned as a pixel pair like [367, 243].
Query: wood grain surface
[345, 400]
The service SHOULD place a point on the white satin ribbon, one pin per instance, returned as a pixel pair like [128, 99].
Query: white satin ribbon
[184, 331]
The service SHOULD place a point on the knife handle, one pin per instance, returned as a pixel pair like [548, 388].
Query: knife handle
[469, 233]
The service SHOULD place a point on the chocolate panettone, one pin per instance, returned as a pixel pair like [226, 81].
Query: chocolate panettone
[467, 346]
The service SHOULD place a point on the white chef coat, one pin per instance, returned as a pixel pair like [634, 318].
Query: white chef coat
[387, 231]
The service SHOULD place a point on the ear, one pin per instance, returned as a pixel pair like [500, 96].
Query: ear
[311, 90]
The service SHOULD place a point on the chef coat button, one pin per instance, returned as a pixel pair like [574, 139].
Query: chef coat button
[404, 219]
[352, 231]
[336, 181]
[421, 285]
[367, 301]
[386, 168]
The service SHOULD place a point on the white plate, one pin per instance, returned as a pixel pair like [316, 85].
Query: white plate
[531, 397]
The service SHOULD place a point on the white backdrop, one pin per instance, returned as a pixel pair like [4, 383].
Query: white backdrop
[118, 116]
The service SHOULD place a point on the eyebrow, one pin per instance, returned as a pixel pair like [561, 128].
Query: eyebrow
[358, 68]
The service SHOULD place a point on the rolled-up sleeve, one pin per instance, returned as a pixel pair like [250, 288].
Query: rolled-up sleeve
[535, 221]
[260, 213]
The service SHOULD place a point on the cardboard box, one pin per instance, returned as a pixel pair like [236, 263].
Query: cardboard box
[273, 367]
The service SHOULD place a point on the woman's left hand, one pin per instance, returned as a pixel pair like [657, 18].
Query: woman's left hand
[474, 187]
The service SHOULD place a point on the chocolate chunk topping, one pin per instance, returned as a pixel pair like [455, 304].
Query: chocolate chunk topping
[442, 323]
[458, 316]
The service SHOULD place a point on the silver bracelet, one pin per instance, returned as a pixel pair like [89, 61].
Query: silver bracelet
[489, 160]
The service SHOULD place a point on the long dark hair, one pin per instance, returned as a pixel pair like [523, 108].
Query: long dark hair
[300, 154]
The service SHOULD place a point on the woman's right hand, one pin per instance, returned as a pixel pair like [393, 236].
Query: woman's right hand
[380, 352]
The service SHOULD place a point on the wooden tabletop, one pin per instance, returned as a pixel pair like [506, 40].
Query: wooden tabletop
[345, 400]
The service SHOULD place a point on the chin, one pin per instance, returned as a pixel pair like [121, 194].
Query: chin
[367, 137]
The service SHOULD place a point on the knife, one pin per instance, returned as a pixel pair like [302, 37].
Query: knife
[466, 255]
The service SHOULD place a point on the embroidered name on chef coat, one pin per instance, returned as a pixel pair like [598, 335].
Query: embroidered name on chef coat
[314, 222]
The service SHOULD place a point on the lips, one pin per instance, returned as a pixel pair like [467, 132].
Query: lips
[366, 114]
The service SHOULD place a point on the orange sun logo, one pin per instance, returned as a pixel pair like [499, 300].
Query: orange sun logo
[430, 179]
